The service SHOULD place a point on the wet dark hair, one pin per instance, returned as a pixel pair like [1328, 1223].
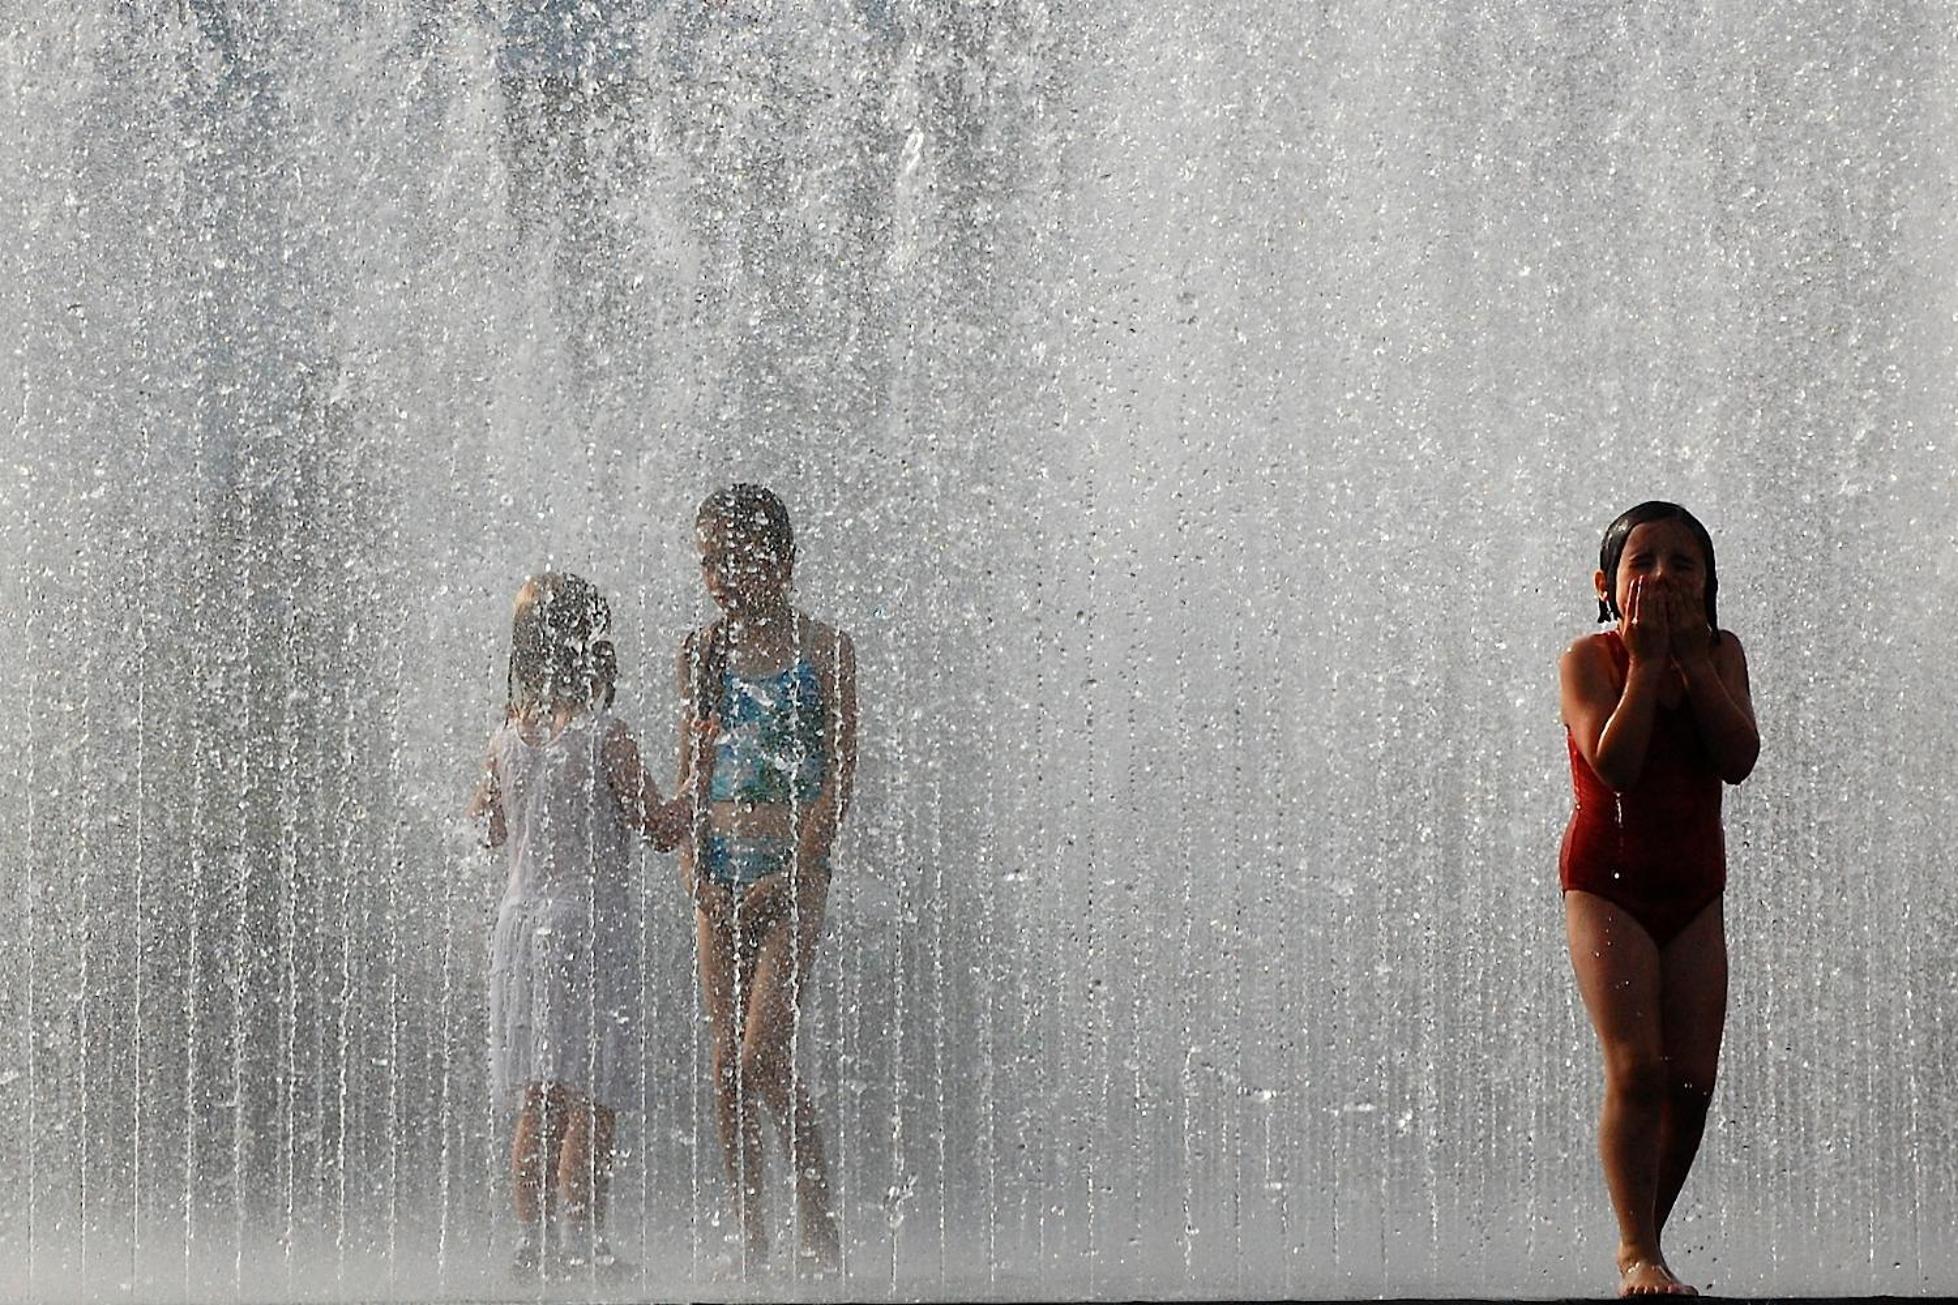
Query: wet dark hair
[754, 517]
[751, 517]
[558, 653]
[1613, 549]
[605, 669]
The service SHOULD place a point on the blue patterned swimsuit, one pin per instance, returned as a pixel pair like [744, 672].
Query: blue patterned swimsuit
[772, 750]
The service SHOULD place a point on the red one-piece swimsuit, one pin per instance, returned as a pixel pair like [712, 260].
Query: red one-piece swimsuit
[1655, 850]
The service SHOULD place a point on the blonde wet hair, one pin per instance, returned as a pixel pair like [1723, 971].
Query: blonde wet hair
[559, 655]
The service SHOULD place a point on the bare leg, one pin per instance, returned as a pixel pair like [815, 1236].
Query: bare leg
[786, 954]
[585, 1165]
[583, 1178]
[534, 1150]
[726, 977]
[1619, 978]
[1693, 1016]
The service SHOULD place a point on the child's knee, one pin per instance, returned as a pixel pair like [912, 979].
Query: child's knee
[1638, 1079]
[761, 1073]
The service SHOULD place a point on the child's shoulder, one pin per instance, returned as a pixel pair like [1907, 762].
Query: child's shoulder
[1596, 646]
[825, 642]
[1591, 665]
[819, 632]
[613, 733]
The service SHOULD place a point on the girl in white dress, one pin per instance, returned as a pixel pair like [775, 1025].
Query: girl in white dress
[565, 791]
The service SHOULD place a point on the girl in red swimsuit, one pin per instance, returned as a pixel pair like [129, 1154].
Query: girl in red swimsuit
[1658, 717]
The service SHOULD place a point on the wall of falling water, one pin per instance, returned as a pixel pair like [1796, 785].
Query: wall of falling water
[1203, 422]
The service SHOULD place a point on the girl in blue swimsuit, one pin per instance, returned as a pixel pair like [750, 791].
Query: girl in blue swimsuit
[767, 757]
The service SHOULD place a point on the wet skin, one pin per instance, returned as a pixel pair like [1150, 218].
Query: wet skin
[1659, 1013]
[757, 950]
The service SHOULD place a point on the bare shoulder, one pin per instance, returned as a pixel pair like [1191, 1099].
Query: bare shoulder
[1588, 679]
[827, 643]
[1587, 653]
[621, 755]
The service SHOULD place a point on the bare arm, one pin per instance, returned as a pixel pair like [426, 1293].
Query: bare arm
[486, 807]
[695, 736]
[1716, 684]
[1612, 728]
[825, 815]
[638, 796]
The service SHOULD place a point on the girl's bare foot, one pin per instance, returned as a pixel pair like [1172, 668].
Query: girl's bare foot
[1642, 1274]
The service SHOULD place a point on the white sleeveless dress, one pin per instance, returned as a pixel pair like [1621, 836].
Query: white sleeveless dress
[565, 975]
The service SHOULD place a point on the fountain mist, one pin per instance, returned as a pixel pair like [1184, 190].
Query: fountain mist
[1203, 421]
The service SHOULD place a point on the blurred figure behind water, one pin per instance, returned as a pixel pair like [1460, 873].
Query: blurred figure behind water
[570, 78]
[575, 145]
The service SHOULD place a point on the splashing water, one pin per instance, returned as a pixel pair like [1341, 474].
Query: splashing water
[1203, 421]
